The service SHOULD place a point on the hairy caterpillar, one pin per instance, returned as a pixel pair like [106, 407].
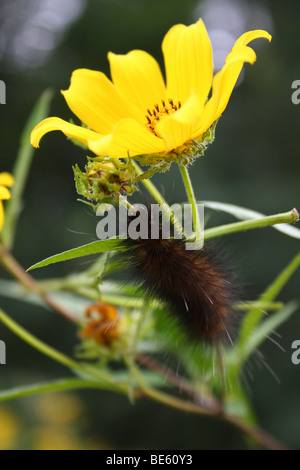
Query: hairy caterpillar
[195, 286]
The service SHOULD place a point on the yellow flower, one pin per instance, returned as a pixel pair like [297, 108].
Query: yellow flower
[6, 181]
[137, 113]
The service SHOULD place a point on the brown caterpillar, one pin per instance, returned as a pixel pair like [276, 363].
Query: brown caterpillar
[195, 286]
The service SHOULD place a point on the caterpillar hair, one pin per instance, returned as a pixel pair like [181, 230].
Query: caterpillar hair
[195, 286]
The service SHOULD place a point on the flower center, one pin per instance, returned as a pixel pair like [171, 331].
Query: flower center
[155, 114]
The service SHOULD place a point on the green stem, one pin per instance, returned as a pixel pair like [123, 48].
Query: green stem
[164, 398]
[36, 343]
[128, 301]
[222, 371]
[108, 383]
[259, 305]
[22, 166]
[253, 432]
[50, 387]
[192, 200]
[123, 201]
[286, 217]
[136, 337]
[151, 188]
[137, 333]
[59, 357]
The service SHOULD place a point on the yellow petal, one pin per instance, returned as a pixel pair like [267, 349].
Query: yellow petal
[96, 101]
[1, 215]
[225, 80]
[70, 130]
[223, 84]
[137, 75]
[250, 35]
[188, 61]
[178, 127]
[129, 138]
[4, 193]
[6, 179]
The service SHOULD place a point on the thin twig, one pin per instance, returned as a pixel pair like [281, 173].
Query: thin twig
[181, 384]
[260, 436]
[17, 271]
[212, 408]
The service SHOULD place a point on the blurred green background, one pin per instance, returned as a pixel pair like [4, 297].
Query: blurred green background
[254, 162]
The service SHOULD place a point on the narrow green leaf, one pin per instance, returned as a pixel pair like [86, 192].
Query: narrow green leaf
[14, 290]
[22, 166]
[69, 301]
[255, 315]
[265, 328]
[100, 246]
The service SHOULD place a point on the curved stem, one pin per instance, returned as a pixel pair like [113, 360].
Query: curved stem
[192, 200]
[125, 203]
[181, 384]
[108, 383]
[257, 434]
[60, 357]
[287, 217]
[49, 387]
[17, 271]
[151, 188]
[164, 398]
[222, 369]
[22, 167]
